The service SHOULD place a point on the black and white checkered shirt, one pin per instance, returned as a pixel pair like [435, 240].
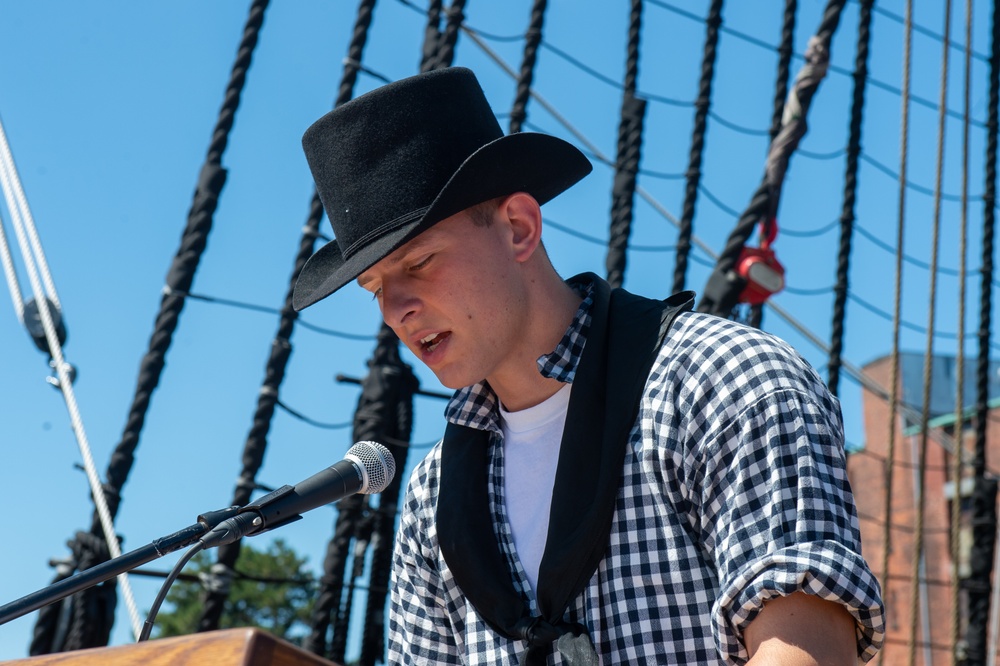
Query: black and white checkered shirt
[733, 491]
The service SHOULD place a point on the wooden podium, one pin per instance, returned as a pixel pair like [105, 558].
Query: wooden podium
[228, 647]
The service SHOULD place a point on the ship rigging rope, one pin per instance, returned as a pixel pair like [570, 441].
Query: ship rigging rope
[985, 535]
[45, 297]
[532, 38]
[756, 311]
[919, 559]
[629, 149]
[897, 298]
[11, 275]
[957, 459]
[702, 105]
[980, 532]
[847, 217]
[904, 146]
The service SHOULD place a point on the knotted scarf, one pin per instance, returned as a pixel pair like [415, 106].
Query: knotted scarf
[625, 335]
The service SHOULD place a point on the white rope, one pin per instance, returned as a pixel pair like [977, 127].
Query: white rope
[10, 274]
[38, 272]
[12, 186]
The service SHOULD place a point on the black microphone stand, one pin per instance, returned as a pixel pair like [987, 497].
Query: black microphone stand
[119, 565]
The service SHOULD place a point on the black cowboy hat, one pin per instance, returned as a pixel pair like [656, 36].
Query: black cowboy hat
[405, 156]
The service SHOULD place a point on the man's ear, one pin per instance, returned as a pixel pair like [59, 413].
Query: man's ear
[524, 215]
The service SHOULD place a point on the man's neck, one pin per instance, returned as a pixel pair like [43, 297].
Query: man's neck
[523, 386]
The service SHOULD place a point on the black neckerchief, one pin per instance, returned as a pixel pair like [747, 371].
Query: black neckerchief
[625, 335]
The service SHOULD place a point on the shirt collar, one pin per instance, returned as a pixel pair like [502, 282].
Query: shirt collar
[476, 406]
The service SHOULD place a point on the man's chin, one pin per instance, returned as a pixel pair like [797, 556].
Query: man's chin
[455, 382]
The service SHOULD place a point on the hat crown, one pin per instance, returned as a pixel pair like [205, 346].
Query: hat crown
[381, 159]
[405, 156]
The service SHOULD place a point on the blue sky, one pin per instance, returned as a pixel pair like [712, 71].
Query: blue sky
[109, 108]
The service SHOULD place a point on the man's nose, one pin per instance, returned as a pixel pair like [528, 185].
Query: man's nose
[398, 304]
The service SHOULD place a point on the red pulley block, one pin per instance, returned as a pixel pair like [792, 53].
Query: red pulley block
[761, 269]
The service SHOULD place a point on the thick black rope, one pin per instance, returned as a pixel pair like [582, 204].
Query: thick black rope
[432, 36]
[83, 620]
[724, 286]
[93, 614]
[701, 105]
[984, 498]
[445, 54]
[785, 49]
[281, 348]
[181, 273]
[532, 38]
[986, 269]
[841, 287]
[353, 525]
[91, 605]
[256, 443]
[627, 161]
[385, 413]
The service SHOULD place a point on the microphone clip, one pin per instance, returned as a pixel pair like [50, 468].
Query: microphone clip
[260, 506]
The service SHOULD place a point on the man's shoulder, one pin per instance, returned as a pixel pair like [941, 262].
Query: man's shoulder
[722, 355]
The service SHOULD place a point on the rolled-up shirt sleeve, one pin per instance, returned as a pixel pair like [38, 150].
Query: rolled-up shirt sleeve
[778, 516]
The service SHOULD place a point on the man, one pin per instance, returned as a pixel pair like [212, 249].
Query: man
[621, 480]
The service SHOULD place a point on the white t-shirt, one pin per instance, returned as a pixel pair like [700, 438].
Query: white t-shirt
[531, 440]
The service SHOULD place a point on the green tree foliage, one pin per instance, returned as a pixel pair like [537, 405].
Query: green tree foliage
[272, 590]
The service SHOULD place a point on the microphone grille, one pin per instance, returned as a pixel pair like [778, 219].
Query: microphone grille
[378, 463]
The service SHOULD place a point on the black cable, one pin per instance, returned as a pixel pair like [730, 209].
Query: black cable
[944, 335]
[600, 241]
[809, 233]
[305, 419]
[612, 82]
[909, 183]
[147, 626]
[913, 260]
[818, 291]
[728, 124]
[822, 156]
[272, 310]
[492, 37]
[718, 202]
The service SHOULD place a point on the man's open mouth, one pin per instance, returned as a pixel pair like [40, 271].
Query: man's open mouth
[429, 343]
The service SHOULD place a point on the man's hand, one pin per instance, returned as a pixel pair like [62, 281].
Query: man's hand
[801, 629]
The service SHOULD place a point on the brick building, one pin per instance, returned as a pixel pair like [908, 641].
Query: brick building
[867, 474]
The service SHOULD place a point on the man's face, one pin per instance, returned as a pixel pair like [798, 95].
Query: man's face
[454, 297]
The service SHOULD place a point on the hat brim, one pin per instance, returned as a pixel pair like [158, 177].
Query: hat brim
[539, 164]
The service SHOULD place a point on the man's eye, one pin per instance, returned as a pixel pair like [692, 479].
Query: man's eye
[420, 264]
[376, 294]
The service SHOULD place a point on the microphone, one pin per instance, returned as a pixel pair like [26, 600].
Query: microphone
[367, 468]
